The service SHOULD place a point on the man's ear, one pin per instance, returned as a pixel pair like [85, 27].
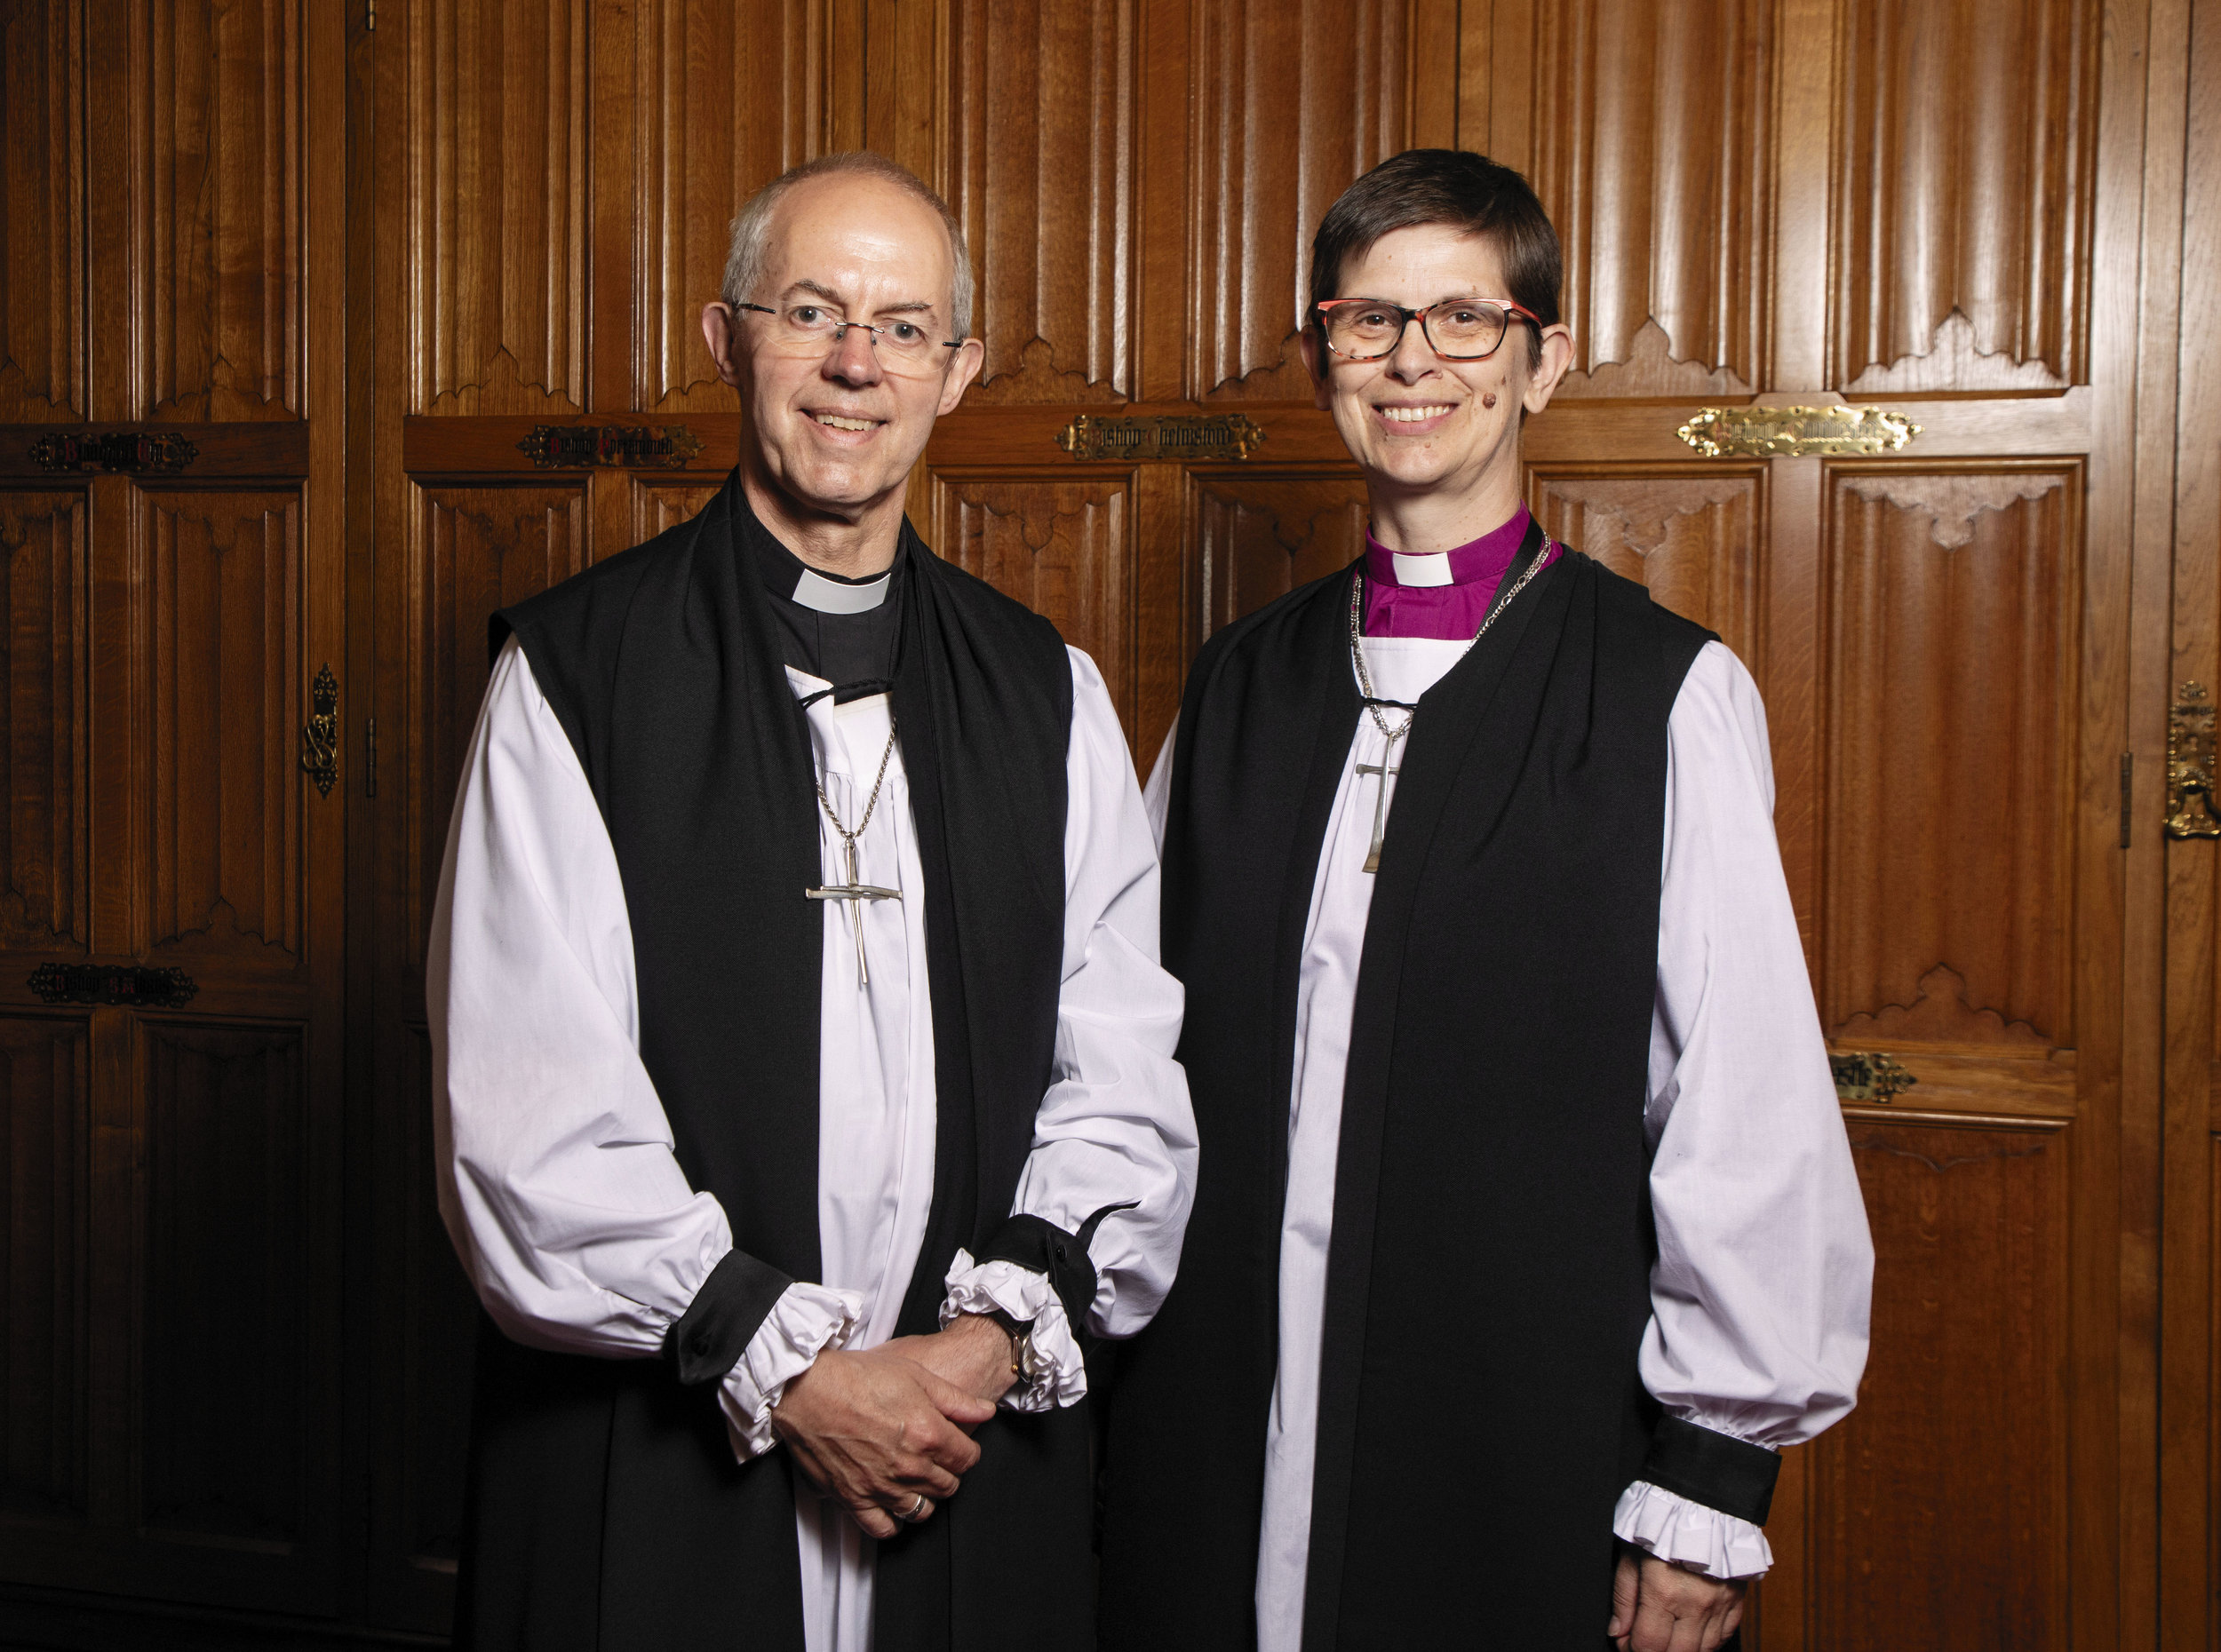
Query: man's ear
[721, 330]
[1309, 341]
[1558, 359]
[962, 371]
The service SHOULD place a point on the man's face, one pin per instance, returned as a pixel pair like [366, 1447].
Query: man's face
[837, 428]
[1416, 422]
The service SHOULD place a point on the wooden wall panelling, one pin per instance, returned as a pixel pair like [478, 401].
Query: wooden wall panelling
[42, 206]
[1652, 127]
[479, 548]
[2189, 1609]
[720, 102]
[1060, 545]
[1257, 534]
[1042, 175]
[228, 689]
[198, 260]
[42, 759]
[1966, 145]
[1693, 537]
[230, 1454]
[493, 136]
[1953, 688]
[44, 1214]
[1929, 1528]
[1289, 104]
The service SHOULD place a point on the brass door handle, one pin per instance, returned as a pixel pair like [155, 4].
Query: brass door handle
[1869, 1075]
[320, 735]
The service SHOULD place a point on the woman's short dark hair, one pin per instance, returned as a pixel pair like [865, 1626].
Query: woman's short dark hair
[1466, 191]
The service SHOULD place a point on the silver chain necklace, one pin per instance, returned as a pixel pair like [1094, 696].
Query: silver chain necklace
[1381, 771]
[856, 892]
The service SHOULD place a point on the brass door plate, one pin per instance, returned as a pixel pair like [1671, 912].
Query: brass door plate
[1170, 436]
[611, 447]
[1869, 1075]
[1796, 432]
[2190, 812]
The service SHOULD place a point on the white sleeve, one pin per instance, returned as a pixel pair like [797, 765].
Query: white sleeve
[1759, 1297]
[1115, 1127]
[556, 1177]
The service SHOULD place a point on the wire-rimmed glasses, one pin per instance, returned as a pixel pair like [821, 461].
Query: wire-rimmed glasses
[812, 329]
[1457, 330]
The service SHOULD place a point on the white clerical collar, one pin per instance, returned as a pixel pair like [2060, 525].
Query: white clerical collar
[813, 590]
[1423, 570]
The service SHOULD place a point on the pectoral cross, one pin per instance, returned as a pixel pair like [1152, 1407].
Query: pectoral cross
[1380, 799]
[855, 893]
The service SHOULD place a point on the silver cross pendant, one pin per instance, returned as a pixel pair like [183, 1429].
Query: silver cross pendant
[855, 893]
[1380, 799]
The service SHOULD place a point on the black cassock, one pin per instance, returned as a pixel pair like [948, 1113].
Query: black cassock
[1487, 1278]
[605, 1508]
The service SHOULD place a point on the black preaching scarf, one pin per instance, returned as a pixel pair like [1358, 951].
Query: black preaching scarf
[606, 1509]
[1487, 1286]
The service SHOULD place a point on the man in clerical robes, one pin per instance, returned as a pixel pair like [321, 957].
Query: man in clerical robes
[802, 1062]
[1526, 1215]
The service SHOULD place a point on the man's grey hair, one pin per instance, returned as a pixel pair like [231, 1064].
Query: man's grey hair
[743, 265]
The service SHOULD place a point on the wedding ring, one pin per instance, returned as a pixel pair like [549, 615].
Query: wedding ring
[913, 1511]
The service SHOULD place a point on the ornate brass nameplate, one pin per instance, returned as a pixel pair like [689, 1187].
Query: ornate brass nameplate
[320, 735]
[1161, 436]
[119, 452]
[1795, 432]
[103, 983]
[1869, 1075]
[615, 447]
[2190, 806]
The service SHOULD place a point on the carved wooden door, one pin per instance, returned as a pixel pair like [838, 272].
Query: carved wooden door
[170, 928]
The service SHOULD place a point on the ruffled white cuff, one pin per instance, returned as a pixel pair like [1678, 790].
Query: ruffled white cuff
[1689, 1534]
[1055, 1373]
[804, 1323]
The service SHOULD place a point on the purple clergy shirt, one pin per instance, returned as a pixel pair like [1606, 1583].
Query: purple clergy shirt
[1444, 596]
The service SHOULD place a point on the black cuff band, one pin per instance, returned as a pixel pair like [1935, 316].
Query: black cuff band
[712, 1334]
[1036, 1242]
[1715, 1469]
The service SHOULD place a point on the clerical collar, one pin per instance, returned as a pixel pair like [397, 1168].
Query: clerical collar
[789, 576]
[1445, 596]
[1487, 558]
[844, 631]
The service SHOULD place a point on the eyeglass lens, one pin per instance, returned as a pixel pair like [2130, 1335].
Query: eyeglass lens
[813, 328]
[1464, 329]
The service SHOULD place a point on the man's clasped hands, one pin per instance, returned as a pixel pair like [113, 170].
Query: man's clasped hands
[887, 1431]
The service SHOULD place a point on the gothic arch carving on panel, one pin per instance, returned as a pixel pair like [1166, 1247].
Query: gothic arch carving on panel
[498, 97]
[1965, 163]
[1692, 536]
[1044, 175]
[1938, 1014]
[218, 103]
[1653, 128]
[42, 610]
[1954, 359]
[1649, 370]
[41, 170]
[1951, 501]
[1287, 105]
[228, 694]
[712, 125]
[1949, 678]
[1058, 546]
[1257, 538]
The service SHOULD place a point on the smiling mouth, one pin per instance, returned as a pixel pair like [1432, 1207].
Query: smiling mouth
[841, 421]
[1414, 415]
